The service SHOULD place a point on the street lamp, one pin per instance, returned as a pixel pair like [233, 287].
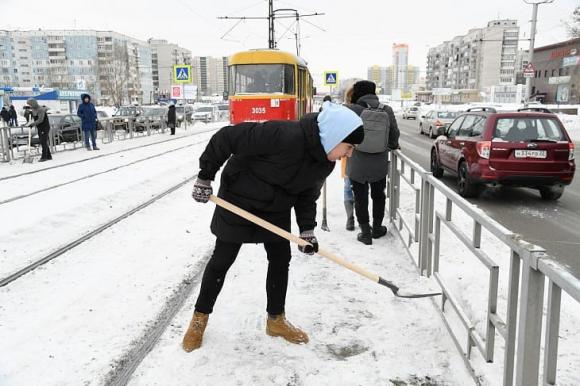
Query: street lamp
[535, 4]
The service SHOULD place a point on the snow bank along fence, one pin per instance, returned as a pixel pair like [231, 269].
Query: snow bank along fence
[13, 145]
[528, 263]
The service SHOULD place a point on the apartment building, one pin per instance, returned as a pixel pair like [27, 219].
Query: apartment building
[478, 60]
[164, 56]
[210, 74]
[115, 68]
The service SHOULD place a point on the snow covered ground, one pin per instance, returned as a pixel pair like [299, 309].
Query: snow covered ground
[55, 217]
[71, 321]
[359, 333]
[468, 280]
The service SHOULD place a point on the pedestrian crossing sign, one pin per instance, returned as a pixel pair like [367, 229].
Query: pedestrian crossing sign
[330, 78]
[182, 73]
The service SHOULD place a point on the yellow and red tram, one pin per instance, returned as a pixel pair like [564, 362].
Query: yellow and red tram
[268, 85]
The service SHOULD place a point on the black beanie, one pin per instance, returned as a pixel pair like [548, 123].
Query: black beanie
[356, 137]
[362, 88]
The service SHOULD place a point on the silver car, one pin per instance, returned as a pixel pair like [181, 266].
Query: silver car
[435, 121]
[411, 112]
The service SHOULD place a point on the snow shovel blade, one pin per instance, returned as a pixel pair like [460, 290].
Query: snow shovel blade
[396, 290]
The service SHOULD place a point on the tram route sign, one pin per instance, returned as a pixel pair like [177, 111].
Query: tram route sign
[330, 78]
[182, 73]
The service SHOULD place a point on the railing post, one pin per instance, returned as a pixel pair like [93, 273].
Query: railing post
[530, 323]
[491, 310]
[393, 187]
[425, 216]
[131, 127]
[552, 329]
[512, 314]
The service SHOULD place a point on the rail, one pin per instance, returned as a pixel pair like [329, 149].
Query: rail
[529, 264]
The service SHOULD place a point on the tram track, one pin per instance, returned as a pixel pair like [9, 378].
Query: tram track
[19, 197]
[80, 240]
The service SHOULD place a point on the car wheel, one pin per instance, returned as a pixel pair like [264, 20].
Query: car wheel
[465, 186]
[551, 193]
[436, 168]
[430, 132]
[420, 128]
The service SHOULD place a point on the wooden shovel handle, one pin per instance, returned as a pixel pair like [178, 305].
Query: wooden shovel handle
[290, 237]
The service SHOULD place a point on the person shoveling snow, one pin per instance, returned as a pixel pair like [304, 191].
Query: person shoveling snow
[271, 168]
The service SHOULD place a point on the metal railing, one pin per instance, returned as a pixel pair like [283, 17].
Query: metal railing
[114, 129]
[528, 263]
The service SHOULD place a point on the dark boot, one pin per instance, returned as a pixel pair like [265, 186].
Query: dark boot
[365, 236]
[379, 230]
[349, 207]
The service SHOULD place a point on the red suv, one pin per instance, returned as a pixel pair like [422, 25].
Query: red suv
[528, 148]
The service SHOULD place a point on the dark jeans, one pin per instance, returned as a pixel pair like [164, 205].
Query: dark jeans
[43, 136]
[361, 200]
[224, 256]
[92, 135]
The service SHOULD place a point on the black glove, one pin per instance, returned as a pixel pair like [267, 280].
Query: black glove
[202, 190]
[309, 237]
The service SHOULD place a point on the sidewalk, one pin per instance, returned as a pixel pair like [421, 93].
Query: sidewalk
[63, 157]
[359, 333]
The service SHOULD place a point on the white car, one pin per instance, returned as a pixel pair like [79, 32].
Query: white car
[205, 114]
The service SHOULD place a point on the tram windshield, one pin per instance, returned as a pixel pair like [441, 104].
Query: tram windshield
[262, 79]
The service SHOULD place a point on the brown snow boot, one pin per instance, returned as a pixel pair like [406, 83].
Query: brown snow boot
[194, 335]
[277, 325]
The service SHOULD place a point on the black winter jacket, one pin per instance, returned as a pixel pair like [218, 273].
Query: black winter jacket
[5, 115]
[365, 167]
[171, 116]
[271, 168]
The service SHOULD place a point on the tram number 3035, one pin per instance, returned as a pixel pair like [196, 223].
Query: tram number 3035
[258, 110]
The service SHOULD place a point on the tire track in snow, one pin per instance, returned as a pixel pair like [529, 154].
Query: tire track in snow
[124, 367]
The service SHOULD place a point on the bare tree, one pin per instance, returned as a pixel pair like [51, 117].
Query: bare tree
[115, 74]
[574, 24]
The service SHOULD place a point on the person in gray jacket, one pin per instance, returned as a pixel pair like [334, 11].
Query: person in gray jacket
[370, 169]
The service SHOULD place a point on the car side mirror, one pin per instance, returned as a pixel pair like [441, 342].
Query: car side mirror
[442, 130]
[422, 116]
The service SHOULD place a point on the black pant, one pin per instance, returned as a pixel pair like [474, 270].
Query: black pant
[361, 200]
[43, 135]
[224, 256]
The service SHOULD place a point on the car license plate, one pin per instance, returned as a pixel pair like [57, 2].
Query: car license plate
[531, 153]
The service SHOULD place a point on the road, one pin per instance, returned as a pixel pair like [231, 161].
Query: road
[553, 225]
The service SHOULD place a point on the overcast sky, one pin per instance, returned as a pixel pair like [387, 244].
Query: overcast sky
[350, 36]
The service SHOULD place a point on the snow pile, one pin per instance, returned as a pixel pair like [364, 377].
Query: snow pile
[572, 125]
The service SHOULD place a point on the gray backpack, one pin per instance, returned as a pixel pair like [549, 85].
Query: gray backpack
[376, 126]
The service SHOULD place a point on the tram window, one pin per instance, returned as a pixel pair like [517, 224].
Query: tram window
[262, 78]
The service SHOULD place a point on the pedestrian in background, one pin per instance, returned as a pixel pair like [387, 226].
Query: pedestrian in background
[348, 195]
[172, 118]
[327, 98]
[27, 113]
[5, 114]
[13, 116]
[40, 120]
[88, 115]
[369, 164]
